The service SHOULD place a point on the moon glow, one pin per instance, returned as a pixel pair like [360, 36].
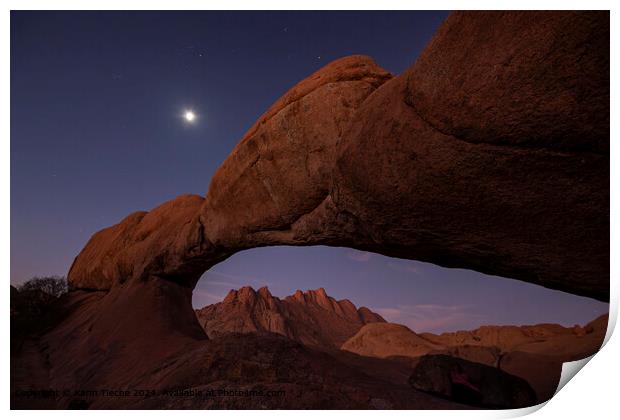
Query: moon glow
[189, 116]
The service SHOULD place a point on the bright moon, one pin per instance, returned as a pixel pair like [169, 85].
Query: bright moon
[189, 116]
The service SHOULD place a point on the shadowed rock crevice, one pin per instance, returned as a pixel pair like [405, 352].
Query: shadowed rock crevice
[492, 208]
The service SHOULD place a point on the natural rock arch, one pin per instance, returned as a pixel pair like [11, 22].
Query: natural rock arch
[491, 153]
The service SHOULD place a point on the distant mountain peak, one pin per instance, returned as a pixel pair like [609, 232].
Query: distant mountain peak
[311, 317]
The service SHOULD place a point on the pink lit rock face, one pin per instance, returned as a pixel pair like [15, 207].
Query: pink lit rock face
[531, 352]
[311, 318]
[417, 166]
[482, 155]
[278, 173]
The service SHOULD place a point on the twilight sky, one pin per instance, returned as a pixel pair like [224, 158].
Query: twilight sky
[97, 133]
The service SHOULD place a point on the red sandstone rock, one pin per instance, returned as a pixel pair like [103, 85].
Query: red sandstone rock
[388, 340]
[540, 338]
[143, 244]
[531, 352]
[533, 80]
[311, 318]
[471, 383]
[539, 361]
[524, 213]
[282, 168]
[499, 164]
[192, 378]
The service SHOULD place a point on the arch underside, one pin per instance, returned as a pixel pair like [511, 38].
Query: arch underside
[492, 156]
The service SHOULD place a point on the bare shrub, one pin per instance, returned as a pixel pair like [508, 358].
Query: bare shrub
[51, 285]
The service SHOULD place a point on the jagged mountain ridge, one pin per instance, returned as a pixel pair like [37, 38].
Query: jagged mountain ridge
[312, 318]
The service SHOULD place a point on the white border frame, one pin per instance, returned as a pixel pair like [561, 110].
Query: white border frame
[592, 394]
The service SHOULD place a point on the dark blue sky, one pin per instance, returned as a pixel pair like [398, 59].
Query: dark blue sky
[96, 134]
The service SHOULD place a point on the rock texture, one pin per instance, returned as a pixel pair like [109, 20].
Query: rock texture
[485, 386]
[236, 371]
[474, 80]
[280, 171]
[532, 352]
[312, 318]
[489, 153]
[540, 338]
[388, 340]
[155, 243]
[568, 343]
[540, 361]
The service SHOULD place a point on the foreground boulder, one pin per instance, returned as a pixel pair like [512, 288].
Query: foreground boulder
[471, 383]
[540, 361]
[531, 352]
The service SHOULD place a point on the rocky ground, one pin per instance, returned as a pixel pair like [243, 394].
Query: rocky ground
[381, 365]
[251, 370]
